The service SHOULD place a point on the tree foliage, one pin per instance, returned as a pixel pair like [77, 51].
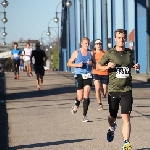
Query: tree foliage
[54, 62]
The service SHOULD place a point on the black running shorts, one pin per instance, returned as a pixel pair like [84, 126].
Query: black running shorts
[125, 100]
[39, 70]
[81, 83]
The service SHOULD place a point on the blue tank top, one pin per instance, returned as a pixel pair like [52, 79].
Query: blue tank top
[85, 68]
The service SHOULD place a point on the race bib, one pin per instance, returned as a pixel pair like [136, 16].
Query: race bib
[122, 72]
[15, 55]
[86, 76]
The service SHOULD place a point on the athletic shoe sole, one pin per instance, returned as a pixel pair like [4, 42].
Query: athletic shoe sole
[85, 120]
[127, 146]
[73, 111]
[100, 108]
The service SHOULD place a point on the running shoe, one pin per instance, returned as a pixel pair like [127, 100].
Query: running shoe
[127, 146]
[110, 135]
[38, 88]
[103, 96]
[85, 119]
[100, 107]
[17, 76]
[74, 109]
[31, 74]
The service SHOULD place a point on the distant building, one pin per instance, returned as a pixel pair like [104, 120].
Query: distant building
[21, 45]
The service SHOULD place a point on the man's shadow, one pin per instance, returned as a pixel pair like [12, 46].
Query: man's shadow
[47, 144]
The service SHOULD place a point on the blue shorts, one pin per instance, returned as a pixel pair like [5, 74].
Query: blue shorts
[104, 79]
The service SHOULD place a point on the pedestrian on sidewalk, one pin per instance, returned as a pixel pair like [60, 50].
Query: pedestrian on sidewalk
[81, 60]
[100, 77]
[119, 63]
[15, 56]
[40, 59]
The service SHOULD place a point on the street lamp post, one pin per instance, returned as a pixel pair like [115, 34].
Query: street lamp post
[4, 3]
[4, 32]
[49, 34]
[49, 43]
[56, 19]
[68, 3]
[4, 20]
[4, 43]
[41, 41]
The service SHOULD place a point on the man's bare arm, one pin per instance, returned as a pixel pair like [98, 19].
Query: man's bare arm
[70, 62]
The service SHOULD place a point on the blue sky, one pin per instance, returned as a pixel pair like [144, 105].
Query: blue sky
[29, 18]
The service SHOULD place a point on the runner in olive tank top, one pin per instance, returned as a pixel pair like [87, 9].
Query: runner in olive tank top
[119, 61]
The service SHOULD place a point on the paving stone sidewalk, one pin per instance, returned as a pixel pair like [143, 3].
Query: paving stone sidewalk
[41, 120]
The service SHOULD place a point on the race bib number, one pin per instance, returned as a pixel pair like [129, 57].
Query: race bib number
[15, 55]
[122, 72]
[86, 76]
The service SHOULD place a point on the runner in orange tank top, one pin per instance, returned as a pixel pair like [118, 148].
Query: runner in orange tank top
[100, 77]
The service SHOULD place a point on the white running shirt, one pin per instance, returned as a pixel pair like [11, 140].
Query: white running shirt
[27, 52]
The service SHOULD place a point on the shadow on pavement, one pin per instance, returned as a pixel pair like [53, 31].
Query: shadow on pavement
[3, 127]
[3, 115]
[144, 149]
[41, 93]
[140, 85]
[29, 107]
[142, 115]
[46, 144]
[142, 106]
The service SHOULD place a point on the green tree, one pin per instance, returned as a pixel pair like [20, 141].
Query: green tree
[54, 55]
[54, 64]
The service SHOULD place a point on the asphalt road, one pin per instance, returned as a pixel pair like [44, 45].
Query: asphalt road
[41, 120]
